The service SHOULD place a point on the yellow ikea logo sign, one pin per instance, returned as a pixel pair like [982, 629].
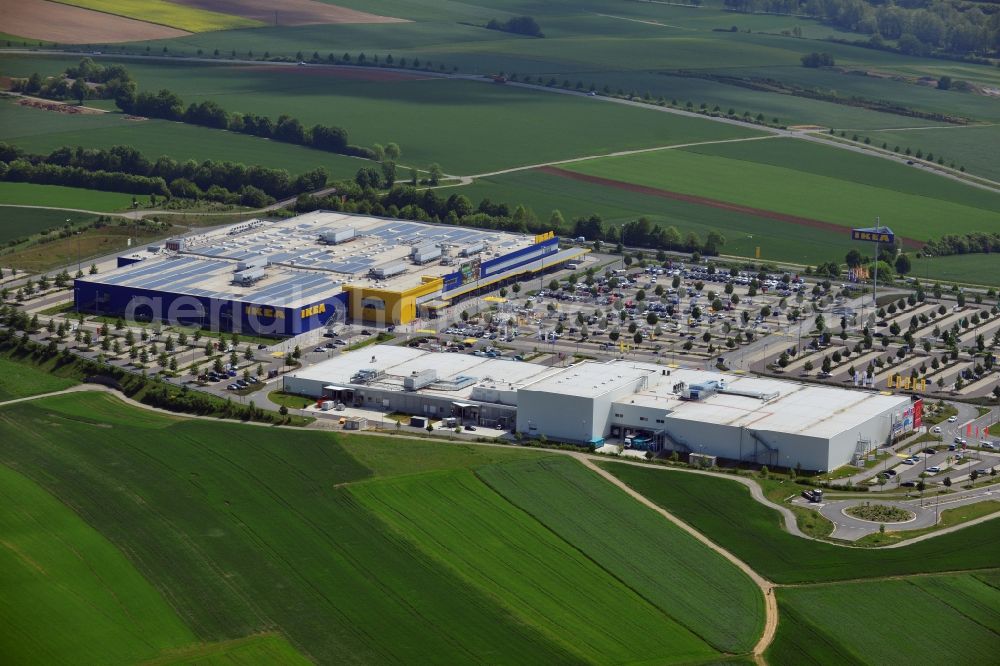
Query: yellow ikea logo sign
[873, 236]
[541, 238]
[256, 311]
[305, 313]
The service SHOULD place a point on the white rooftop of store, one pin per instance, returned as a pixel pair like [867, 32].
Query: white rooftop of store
[398, 362]
[791, 407]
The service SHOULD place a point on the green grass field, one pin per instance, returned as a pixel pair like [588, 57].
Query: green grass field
[63, 580]
[690, 583]
[837, 623]
[467, 126]
[811, 181]
[167, 13]
[21, 222]
[39, 131]
[18, 380]
[58, 196]
[237, 553]
[257, 649]
[186, 501]
[970, 268]
[755, 534]
[971, 146]
[543, 580]
[744, 233]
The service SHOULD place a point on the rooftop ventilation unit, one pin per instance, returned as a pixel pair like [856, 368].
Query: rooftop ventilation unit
[419, 380]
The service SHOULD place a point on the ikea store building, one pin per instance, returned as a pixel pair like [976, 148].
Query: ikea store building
[287, 277]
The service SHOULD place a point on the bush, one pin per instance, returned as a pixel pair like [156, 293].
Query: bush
[815, 59]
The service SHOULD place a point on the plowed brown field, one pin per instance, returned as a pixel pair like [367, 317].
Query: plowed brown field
[64, 24]
[289, 12]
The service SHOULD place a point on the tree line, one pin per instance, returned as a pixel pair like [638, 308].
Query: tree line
[917, 26]
[86, 80]
[975, 242]
[168, 105]
[115, 82]
[124, 169]
[405, 201]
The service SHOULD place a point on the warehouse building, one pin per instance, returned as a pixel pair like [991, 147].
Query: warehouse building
[291, 276]
[471, 389]
[638, 405]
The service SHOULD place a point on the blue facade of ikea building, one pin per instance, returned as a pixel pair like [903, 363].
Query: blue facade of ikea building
[217, 314]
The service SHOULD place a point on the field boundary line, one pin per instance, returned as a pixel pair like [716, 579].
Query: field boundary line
[110, 13]
[902, 577]
[765, 585]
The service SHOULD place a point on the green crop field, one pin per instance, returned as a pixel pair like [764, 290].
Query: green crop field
[299, 554]
[18, 380]
[169, 14]
[981, 269]
[41, 132]
[877, 621]
[466, 126]
[21, 222]
[690, 583]
[973, 146]
[543, 580]
[833, 195]
[30, 194]
[755, 534]
[63, 580]
[544, 193]
[257, 649]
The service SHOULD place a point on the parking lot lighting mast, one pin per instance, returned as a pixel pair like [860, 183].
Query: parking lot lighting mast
[878, 227]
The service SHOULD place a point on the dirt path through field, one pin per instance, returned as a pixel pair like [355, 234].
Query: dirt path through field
[713, 203]
[618, 153]
[766, 586]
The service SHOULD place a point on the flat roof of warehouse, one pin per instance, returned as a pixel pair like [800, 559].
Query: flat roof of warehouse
[589, 380]
[378, 243]
[398, 361]
[799, 408]
[196, 276]
[300, 269]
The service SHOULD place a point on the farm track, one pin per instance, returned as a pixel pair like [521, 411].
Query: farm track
[766, 586]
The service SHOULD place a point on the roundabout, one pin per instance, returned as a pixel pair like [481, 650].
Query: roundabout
[880, 513]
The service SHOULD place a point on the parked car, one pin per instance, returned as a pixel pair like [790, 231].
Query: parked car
[470, 428]
[934, 469]
[908, 461]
